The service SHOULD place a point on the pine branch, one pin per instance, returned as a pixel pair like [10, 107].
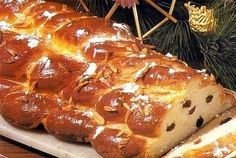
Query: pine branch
[219, 48]
[179, 39]
[99, 7]
[220, 59]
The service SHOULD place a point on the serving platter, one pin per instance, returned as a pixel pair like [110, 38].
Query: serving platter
[42, 141]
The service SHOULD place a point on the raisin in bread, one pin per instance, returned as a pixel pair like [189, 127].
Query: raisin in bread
[216, 140]
[90, 80]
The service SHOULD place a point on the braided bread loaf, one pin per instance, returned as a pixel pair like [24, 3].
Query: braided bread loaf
[90, 80]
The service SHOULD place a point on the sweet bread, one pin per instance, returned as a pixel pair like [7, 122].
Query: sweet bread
[90, 80]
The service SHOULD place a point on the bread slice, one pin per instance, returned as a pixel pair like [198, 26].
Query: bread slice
[189, 112]
[87, 79]
[217, 139]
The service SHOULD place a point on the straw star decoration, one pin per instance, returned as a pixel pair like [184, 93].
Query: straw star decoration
[125, 3]
[132, 4]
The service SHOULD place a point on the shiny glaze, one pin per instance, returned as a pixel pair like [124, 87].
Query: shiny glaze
[82, 74]
[118, 144]
[146, 117]
[161, 70]
[6, 87]
[84, 87]
[25, 109]
[70, 125]
[60, 19]
[80, 93]
[44, 12]
[86, 35]
[5, 37]
[111, 107]
[16, 53]
[165, 75]
[50, 7]
[106, 51]
[54, 72]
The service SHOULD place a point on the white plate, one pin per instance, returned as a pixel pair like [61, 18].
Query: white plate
[47, 143]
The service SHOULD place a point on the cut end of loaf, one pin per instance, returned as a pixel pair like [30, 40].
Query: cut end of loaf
[196, 107]
[216, 139]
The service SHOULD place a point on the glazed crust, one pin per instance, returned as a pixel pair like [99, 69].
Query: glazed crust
[86, 79]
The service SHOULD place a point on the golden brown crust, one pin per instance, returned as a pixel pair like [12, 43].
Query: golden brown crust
[70, 125]
[53, 72]
[115, 143]
[85, 78]
[16, 53]
[23, 108]
[5, 88]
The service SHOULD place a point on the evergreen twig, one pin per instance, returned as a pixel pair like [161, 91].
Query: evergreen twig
[219, 48]
[179, 39]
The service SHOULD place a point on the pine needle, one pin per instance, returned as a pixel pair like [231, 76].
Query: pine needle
[219, 48]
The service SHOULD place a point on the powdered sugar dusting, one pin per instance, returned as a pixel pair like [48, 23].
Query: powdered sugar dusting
[4, 26]
[140, 97]
[8, 1]
[91, 69]
[48, 14]
[81, 33]
[171, 71]
[114, 103]
[130, 88]
[88, 113]
[220, 152]
[46, 70]
[32, 41]
[98, 131]
[3, 86]
[79, 122]
[116, 139]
